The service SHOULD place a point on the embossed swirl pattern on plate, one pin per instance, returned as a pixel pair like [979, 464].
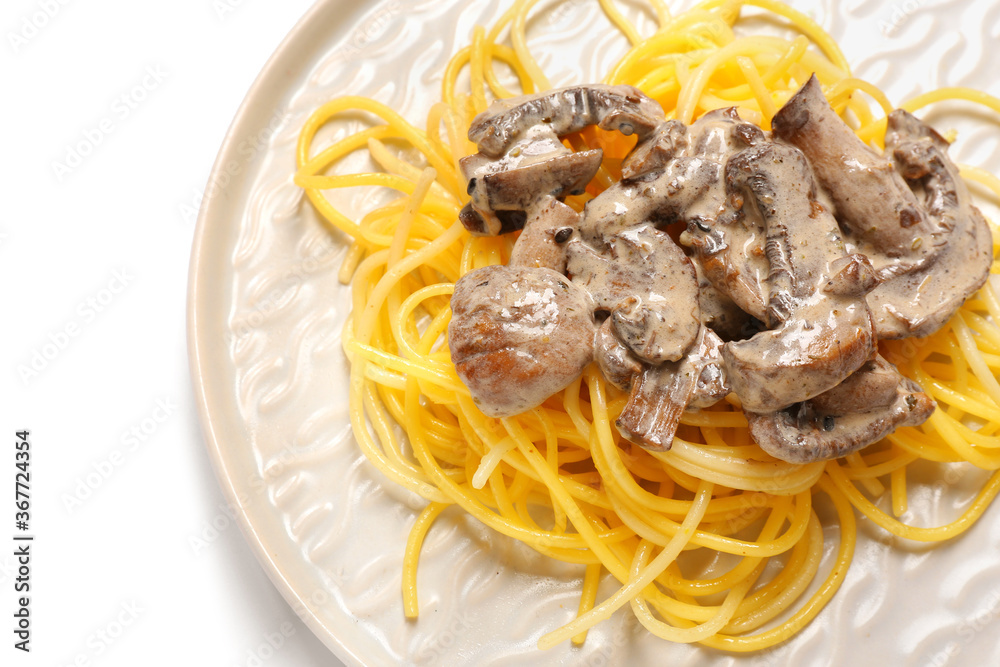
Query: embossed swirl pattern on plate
[486, 599]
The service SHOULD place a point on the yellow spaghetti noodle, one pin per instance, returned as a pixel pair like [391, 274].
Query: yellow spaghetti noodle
[560, 478]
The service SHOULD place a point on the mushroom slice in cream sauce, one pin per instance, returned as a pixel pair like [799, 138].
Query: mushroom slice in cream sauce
[878, 209]
[564, 111]
[817, 338]
[647, 285]
[919, 302]
[801, 249]
[871, 403]
[661, 393]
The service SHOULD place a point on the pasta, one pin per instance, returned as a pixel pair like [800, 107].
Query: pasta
[560, 478]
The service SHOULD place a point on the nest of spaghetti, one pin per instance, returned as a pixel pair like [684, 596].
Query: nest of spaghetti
[612, 459]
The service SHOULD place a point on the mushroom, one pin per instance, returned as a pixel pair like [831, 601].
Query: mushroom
[873, 201]
[618, 364]
[918, 303]
[649, 287]
[659, 198]
[544, 238]
[503, 190]
[563, 111]
[718, 311]
[521, 332]
[864, 408]
[521, 157]
[727, 246]
[662, 393]
[718, 134]
[821, 330]
[655, 151]
[519, 335]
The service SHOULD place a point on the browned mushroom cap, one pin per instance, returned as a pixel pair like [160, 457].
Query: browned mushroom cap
[564, 111]
[867, 406]
[730, 251]
[519, 335]
[817, 338]
[493, 223]
[877, 207]
[649, 287]
[920, 302]
[503, 190]
[661, 394]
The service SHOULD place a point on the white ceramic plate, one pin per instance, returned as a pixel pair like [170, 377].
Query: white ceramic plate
[264, 320]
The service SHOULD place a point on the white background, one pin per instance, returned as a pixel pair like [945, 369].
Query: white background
[136, 561]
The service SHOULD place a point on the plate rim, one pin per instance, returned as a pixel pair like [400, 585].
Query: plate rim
[273, 74]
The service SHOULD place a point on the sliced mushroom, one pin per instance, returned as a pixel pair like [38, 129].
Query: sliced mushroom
[718, 134]
[867, 406]
[877, 207]
[647, 284]
[543, 241]
[519, 335]
[730, 251]
[563, 111]
[920, 302]
[727, 244]
[655, 151]
[659, 198]
[718, 311]
[617, 363]
[492, 224]
[662, 393]
[817, 338]
[503, 190]
[712, 384]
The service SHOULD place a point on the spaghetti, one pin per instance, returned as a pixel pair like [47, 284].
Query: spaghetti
[559, 477]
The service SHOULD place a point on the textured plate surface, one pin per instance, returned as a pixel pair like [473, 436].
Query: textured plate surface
[264, 326]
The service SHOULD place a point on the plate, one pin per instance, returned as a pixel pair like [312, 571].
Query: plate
[265, 312]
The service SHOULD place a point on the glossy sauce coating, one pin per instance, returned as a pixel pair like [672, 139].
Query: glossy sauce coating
[801, 249]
